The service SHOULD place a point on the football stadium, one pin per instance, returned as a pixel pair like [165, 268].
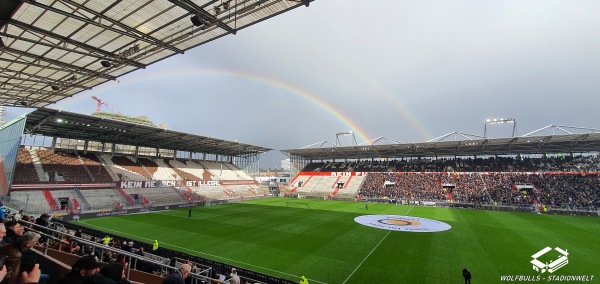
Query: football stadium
[111, 198]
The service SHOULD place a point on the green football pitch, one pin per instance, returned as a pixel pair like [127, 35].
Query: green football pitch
[288, 238]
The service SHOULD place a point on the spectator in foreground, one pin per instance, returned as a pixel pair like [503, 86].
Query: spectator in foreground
[85, 266]
[235, 279]
[20, 263]
[14, 230]
[2, 234]
[115, 272]
[179, 275]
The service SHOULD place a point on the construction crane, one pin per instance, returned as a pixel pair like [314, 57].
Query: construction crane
[100, 103]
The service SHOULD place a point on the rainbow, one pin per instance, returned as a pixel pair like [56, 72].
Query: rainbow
[312, 98]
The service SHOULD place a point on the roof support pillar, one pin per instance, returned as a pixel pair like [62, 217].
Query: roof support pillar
[112, 149]
[85, 146]
[53, 145]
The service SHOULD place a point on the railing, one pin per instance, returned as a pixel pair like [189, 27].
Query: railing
[202, 276]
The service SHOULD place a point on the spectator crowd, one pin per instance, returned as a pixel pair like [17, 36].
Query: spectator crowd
[569, 182]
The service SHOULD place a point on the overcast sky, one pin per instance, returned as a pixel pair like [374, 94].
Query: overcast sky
[406, 70]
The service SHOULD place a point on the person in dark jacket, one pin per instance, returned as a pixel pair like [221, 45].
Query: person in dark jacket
[21, 259]
[97, 279]
[179, 275]
[115, 272]
[43, 222]
[85, 266]
[14, 230]
[466, 275]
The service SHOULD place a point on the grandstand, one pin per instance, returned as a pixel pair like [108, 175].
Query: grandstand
[78, 176]
[104, 165]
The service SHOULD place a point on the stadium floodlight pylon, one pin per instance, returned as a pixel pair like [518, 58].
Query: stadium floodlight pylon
[492, 121]
[347, 133]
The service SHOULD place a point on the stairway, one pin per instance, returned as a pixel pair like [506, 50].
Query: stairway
[51, 201]
[126, 196]
[85, 204]
[37, 164]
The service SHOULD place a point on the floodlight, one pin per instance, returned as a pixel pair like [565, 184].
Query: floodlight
[106, 63]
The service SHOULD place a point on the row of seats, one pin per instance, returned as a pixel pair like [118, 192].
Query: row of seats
[71, 168]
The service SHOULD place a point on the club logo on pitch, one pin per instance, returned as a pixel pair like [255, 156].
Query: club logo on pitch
[550, 260]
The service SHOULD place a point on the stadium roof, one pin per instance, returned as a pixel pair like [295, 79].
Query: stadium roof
[54, 49]
[526, 145]
[56, 123]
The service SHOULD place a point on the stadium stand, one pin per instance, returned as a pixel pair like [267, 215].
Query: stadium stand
[62, 166]
[125, 174]
[127, 163]
[220, 170]
[185, 171]
[157, 196]
[25, 171]
[163, 170]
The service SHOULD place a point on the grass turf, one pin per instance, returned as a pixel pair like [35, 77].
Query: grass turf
[293, 237]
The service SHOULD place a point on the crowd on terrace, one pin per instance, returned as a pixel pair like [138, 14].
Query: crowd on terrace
[18, 233]
[491, 164]
[560, 181]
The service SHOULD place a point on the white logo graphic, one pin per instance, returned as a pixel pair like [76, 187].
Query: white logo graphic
[402, 223]
[552, 265]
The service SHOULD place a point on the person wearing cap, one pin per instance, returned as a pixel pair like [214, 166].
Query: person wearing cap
[85, 266]
[178, 276]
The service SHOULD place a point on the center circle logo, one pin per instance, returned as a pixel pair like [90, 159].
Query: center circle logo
[402, 223]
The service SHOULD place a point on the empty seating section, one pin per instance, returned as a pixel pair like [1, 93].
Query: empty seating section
[65, 165]
[318, 185]
[199, 170]
[188, 172]
[96, 168]
[243, 191]
[121, 173]
[34, 201]
[241, 174]
[220, 170]
[157, 196]
[25, 170]
[129, 165]
[150, 166]
[103, 198]
[351, 186]
[165, 172]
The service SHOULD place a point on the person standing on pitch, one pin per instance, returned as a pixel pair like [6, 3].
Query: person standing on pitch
[190, 213]
[466, 275]
[366, 206]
